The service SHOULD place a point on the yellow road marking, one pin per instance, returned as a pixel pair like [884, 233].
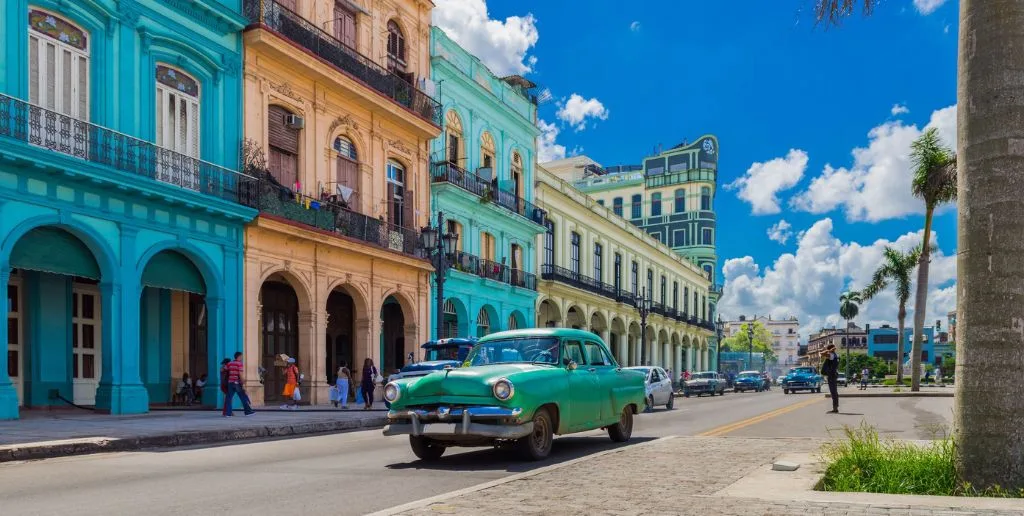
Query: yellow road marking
[732, 427]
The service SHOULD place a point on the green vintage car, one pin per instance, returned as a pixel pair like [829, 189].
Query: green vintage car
[517, 388]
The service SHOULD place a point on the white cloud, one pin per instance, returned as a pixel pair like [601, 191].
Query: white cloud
[877, 186]
[547, 148]
[899, 109]
[501, 45]
[780, 232]
[807, 283]
[577, 110]
[635, 26]
[763, 181]
[927, 7]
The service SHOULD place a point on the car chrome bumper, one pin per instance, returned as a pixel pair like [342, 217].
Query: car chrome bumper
[445, 421]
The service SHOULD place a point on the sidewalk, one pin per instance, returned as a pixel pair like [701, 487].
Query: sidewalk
[693, 475]
[45, 434]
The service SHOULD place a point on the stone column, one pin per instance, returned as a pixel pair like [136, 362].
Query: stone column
[120, 390]
[215, 318]
[689, 358]
[8, 395]
[679, 361]
[623, 350]
[308, 342]
[252, 350]
[704, 358]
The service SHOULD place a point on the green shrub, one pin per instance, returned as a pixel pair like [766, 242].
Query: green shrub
[862, 462]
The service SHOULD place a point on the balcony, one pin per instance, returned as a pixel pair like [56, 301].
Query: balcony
[289, 25]
[487, 269]
[715, 290]
[321, 214]
[446, 172]
[42, 128]
[676, 178]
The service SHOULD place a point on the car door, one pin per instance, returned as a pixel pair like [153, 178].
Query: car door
[664, 386]
[584, 398]
[656, 379]
[602, 366]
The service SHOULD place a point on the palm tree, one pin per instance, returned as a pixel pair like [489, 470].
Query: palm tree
[849, 307]
[935, 182]
[988, 410]
[990, 164]
[895, 269]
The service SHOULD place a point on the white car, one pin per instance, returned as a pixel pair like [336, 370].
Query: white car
[659, 387]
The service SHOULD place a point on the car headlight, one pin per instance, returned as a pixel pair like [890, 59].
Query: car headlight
[503, 389]
[392, 392]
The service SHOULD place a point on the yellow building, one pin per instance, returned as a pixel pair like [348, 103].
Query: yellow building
[338, 127]
[598, 269]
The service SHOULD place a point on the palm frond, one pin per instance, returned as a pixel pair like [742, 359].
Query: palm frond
[832, 12]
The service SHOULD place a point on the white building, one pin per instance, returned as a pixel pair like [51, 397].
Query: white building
[785, 336]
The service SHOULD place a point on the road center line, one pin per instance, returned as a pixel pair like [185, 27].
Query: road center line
[732, 427]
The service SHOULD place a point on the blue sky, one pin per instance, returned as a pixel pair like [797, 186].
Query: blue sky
[786, 99]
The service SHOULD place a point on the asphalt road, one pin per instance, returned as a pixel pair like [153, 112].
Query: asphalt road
[353, 473]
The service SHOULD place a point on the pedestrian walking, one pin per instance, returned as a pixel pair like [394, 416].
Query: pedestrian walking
[830, 370]
[344, 377]
[224, 383]
[864, 379]
[938, 376]
[291, 385]
[235, 377]
[370, 377]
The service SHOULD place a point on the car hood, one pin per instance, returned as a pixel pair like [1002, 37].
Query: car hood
[466, 381]
[699, 381]
[748, 379]
[433, 365]
[801, 376]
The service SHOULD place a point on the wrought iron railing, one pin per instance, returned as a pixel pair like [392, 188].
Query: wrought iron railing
[471, 264]
[325, 215]
[447, 172]
[275, 17]
[34, 125]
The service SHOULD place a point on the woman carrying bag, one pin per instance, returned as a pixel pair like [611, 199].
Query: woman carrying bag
[370, 377]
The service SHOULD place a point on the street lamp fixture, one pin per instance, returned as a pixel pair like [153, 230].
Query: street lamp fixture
[440, 247]
[719, 326]
[750, 342]
[643, 305]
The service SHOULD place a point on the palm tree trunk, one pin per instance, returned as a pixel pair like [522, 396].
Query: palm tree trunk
[989, 407]
[920, 303]
[901, 316]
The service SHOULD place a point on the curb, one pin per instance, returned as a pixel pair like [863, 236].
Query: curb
[34, 451]
[895, 395]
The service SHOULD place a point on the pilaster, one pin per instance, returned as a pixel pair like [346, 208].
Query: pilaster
[8, 395]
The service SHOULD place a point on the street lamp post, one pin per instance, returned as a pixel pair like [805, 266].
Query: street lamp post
[719, 325]
[642, 306]
[439, 246]
[750, 341]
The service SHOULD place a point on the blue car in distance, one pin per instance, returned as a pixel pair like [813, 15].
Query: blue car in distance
[437, 355]
[749, 381]
[802, 379]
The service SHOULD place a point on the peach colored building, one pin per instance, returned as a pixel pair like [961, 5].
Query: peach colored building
[337, 127]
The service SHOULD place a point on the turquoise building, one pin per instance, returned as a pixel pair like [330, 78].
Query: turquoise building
[121, 210]
[482, 182]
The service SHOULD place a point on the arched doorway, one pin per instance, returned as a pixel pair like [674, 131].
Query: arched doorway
[280, 332]
[616, 341]
[634, 344]
[339, 347]
[516, 320]
[55, 319]
[486, 321]
[392, 336]
[574, 318]
[548, 315]
[456, 322]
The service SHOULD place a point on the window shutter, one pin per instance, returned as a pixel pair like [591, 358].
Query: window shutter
[281, 136]
[391, 203]
[33, 70]
[348, 175]
[408, 209]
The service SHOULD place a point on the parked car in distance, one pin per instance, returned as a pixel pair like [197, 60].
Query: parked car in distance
[659, 387]
[704, 382]
[841, 380]
[437, 355]
[778, 381]
[517, 388]
[748, 381]
[802, 378]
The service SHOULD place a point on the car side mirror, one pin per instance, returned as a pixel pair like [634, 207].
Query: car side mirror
[571, 365]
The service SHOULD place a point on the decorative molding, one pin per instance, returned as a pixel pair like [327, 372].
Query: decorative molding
[347, 121]
[207, 16]
[399, 146]
[232, 64]
[285, 89]
[129, 11]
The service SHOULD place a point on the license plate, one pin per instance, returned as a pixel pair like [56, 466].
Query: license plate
[440, 428]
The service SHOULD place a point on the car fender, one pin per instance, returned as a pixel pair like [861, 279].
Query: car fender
[627, 395]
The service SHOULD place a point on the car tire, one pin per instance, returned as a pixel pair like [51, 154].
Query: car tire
[686, 395]
[537, 445]
[785, 391]
[671, 401]
[425, 449]
[621, 432]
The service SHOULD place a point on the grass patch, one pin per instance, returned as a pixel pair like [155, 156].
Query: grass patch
[862, 462]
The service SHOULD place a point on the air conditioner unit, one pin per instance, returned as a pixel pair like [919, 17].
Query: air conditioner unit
[294, 121]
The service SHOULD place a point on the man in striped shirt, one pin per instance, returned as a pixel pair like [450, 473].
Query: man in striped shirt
[235, 378]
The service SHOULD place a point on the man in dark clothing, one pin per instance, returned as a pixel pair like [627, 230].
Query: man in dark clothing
[830, 370]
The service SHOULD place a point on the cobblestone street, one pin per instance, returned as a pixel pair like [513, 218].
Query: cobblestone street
[672, 476]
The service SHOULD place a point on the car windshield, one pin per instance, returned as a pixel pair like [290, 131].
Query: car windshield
[542, 350]
[444, 353]
[802, 370]
[749, 375]
[704, 376]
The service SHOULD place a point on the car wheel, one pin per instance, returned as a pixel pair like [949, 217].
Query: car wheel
[785, 391]
[621, 432]
[424, 448]
[537, 445]
[686, 395]
[671, 401]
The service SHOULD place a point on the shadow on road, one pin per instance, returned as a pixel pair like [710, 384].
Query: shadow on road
[491, 459]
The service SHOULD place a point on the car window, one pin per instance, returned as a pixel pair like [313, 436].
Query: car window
[661, 374]
[655, 377]
[597, 355]
[574, 351]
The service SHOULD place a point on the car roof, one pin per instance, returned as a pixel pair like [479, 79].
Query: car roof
[456, 341]
[745, 372]
[541, 332]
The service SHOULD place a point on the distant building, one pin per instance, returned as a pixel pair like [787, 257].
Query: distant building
[852, 337]
[785, 336]
[883, 343]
